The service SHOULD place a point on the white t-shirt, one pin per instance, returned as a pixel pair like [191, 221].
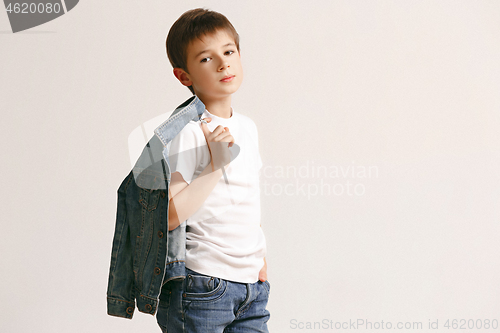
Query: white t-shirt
[223, 237]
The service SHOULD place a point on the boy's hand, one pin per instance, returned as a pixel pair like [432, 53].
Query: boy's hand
[263, 272]
[219, 152]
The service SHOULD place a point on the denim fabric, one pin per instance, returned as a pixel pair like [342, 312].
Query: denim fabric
[145, 255]
[202, 303]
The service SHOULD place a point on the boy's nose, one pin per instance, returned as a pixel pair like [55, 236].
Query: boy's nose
[224, 65]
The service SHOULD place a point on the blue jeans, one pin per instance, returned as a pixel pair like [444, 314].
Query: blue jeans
[206, 304]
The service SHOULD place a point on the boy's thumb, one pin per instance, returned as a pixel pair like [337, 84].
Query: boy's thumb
[204, 127]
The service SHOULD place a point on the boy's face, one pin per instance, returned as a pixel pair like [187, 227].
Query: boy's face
[214, 66]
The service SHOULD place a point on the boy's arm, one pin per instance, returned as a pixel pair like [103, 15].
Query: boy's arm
[263, 272]
[184, 199]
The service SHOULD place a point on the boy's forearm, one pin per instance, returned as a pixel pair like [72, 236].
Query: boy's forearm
[189, 200]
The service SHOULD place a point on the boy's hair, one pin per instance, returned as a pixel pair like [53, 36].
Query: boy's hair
[194, 24]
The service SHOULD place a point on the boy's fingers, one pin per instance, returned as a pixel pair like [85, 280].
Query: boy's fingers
[206, 131]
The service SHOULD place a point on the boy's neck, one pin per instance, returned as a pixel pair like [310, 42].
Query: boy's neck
[219, 107]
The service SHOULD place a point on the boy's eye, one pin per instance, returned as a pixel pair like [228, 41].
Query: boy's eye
[207, 59]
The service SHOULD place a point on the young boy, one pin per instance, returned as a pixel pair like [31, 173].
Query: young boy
[214, 189]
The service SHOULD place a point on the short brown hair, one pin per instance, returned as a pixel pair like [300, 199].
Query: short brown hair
[193, 24]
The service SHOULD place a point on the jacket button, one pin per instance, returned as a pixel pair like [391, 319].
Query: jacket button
[160, 234]
[148, 307]
[162, 194]
[157, 270]
[130, 310]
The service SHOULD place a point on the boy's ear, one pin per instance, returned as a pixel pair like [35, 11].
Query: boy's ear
[182, 76]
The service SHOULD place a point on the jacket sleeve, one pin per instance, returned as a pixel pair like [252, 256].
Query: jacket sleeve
[120, 292]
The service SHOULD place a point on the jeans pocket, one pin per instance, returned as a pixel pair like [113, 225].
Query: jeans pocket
[202, 287]
[268, 286]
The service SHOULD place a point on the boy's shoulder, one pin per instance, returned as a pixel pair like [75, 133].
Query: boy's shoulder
[244, 118]
[247, 122]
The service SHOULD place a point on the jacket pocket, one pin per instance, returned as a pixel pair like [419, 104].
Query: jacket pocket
[149, 198]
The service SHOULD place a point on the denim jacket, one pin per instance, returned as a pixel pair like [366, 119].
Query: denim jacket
[145, 255]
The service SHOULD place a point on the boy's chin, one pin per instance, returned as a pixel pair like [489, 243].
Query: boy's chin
[234, 89]
[222, 94]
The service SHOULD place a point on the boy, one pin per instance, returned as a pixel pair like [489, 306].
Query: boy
[214, 189]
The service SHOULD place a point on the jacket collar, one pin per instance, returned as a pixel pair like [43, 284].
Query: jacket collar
[191, 109]
[149, 171]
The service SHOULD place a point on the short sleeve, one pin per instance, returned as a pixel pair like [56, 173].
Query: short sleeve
[185, 153]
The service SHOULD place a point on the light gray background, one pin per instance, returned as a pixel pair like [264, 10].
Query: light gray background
[410, 87]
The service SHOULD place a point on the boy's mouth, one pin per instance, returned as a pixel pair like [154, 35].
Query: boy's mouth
[227, 78]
